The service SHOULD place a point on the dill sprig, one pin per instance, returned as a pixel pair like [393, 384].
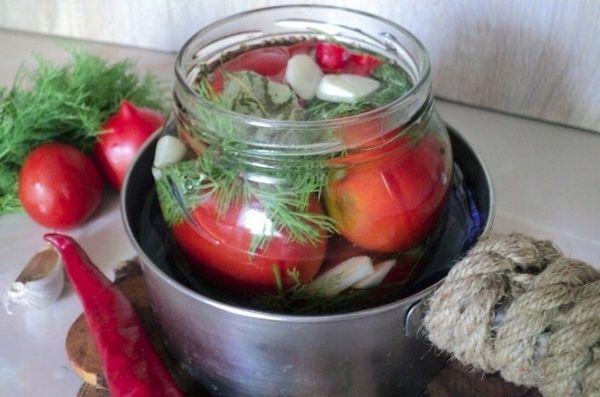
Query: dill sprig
[286, 200]
[66, 103]
[394, 83]
[309, 298]
[288, 183]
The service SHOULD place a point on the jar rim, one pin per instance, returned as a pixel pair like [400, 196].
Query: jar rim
[421, 82]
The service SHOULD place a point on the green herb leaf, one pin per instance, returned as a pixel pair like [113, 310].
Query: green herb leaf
[252, 94]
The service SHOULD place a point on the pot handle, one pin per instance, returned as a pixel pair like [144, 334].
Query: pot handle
[413, 323]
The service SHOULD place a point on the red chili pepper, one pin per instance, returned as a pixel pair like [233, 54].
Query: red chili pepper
[361, 64]
[335, 58]
[331, 56]
[131, 366]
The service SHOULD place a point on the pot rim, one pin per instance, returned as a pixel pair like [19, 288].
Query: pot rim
[282, 317]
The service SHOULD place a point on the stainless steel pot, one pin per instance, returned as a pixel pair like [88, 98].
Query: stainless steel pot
[235, 351]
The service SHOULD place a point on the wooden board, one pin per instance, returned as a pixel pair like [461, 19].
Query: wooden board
[533, 58]
[81, 350]
[454, 380]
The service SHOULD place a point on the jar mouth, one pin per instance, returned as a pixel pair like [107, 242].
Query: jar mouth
[413, 98]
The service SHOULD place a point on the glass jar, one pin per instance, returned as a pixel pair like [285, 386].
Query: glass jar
[262, 205]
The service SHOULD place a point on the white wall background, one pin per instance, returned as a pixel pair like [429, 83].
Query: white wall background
[537, 58]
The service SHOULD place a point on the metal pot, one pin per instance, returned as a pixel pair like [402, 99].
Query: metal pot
[235, 351]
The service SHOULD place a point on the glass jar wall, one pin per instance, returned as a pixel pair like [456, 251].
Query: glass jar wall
[266, 190]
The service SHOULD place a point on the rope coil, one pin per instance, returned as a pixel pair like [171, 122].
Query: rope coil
[518, 306]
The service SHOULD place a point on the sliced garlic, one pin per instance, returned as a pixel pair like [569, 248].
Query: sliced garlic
[303, 74]
[40, 283]
[380, 271]
[169, 150]
[342, 276]
[347, 88]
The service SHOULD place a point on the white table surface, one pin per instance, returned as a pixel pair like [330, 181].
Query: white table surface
[546, 178]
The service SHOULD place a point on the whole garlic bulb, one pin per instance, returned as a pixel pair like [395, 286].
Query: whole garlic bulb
[40, 283]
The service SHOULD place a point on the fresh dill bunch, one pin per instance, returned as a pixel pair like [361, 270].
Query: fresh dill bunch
[65, 103]
[179, 189]
[395, 82]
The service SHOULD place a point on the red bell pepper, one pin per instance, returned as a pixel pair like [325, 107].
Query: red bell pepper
[131, 366]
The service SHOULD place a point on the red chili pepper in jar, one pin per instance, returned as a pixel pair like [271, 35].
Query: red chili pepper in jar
[335, 58]
[331, 56]
[131, 365]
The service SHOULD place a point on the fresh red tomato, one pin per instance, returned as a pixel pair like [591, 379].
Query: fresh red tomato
[331, 57]
[391, 203]
[59, 186]
[266, 61]
[122, 136]
[219, 246]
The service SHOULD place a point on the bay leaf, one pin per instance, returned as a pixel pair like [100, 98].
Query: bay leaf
[254, 95]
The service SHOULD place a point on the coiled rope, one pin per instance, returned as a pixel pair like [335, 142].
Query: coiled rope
[518, 306]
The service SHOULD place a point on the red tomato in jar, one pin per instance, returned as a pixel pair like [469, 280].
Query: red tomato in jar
[270, 62]
[361, 64]
[59, 186]
[219, 246]
[303, 47]
[393, 202]
[122, 136]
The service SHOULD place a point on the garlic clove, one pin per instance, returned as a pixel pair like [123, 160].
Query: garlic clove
[303, 75]
[380, 270]
[342, 276]
[40, 283]
[347, 88]
[169, 150]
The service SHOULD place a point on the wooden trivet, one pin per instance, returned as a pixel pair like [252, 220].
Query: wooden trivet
[81, 350]
[454, 380]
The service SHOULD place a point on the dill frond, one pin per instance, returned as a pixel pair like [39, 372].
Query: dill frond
[395, 82]
[308, 298]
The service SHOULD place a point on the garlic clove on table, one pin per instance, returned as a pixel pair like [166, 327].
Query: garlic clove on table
[40, 283]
